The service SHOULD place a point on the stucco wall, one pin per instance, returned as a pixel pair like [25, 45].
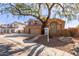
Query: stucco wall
[33, 30]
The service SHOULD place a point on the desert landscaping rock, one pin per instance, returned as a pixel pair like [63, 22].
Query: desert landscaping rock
[53, 52]
[75, 50]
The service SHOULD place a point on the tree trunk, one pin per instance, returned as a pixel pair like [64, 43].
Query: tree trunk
[43, 26]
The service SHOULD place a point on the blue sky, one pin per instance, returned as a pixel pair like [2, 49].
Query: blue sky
[4, 19]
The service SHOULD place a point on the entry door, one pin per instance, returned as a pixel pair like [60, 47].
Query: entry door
[53, 27]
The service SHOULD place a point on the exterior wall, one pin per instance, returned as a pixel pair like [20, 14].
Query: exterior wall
[58, 27]
[36, 29]
[60, 23]
[26, 29]
[7, 30]
[20, 29]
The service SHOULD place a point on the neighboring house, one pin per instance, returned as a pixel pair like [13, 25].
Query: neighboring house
[15, 27]
[7, 28]
[19, 27]
[54, 25]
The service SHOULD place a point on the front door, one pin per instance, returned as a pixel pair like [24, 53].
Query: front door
[53, 28]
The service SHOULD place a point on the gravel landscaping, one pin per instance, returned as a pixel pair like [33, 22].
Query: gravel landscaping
[39, 47]
[61, 44]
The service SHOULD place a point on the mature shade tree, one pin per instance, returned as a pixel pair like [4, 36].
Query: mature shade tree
[35, 10]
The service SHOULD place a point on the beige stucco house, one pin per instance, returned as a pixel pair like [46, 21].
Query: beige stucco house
[54, 25]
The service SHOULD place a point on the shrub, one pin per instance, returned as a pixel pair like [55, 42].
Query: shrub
[65, 33]
[73, 32]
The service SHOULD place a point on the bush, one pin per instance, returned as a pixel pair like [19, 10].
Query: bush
[73, 32]
[68, 32]
[65, 33]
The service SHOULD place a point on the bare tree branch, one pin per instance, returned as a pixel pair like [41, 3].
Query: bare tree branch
[49, 11]
[19, 11]
[39, 5]
[33, 16]
[47, 5]
[60, 6]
